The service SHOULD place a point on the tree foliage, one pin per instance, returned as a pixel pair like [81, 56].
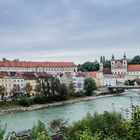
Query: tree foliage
[89, 66]
[134, 60]
[2, 92]
[2, 131]
[107, 64]
[39, 132]
[51, 88]
[89, 86]
[28, 88]
[71, 88]
[16, 91]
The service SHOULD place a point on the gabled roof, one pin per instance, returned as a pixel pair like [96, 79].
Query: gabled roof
[28, 76]
[133, 67]
[36, 64]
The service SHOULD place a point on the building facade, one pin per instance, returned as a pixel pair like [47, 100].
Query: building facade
[49, 67]
[119, 66]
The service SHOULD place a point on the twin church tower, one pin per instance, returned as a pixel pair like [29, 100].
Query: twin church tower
[117, 66]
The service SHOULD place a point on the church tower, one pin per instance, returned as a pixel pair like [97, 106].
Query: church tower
[124, 61]
[101, 63]
[112, 62]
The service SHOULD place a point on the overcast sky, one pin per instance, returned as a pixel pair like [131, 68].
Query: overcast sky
[69, 30]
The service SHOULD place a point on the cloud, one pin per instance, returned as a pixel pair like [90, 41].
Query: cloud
[68, 29]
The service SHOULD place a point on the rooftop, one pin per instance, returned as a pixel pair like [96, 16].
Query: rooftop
[36, 64]
[133, 68]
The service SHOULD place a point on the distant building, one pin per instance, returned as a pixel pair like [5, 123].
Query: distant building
[49, 67]
[78, 82]
[109, 80]
[119, 66]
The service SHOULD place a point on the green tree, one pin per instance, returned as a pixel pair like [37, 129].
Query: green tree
[58, 125]
[89, 66]
[107, 64]
[63, 92]
[28, 88]
[2, 92]
[39, 132]
[89, 86]
[51, 88]
[134, 60]
[16, 91]
[71, 88]
[2, 131]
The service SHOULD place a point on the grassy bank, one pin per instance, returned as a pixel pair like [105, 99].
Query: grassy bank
[9, 105]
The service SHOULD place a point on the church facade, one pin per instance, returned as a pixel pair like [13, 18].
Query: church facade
[121, 66]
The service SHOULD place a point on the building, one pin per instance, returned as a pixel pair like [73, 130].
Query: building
[119, 66]
[133, 72]
[109, 80]
[28, 66]
[30, 78]
[10, 83]
[78, 82]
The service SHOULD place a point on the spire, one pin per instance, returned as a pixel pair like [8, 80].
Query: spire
[101, 59]
[124, 56]
[113, 56]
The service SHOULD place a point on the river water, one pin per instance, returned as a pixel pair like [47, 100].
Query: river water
[71, 112]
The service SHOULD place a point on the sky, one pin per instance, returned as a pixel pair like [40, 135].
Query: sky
[69, 30]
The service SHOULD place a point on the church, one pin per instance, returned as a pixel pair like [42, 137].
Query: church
[121, 66]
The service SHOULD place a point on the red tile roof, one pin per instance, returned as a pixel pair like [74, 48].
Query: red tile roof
[28, 76]
[36, 64]
[91, 74]
[133, 67]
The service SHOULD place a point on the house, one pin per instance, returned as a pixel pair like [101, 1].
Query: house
[133, 72]
[30, 78]
[109, 80]
[78, 82]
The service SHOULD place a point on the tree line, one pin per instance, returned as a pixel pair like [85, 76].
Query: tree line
[49, 89]
[95, 65]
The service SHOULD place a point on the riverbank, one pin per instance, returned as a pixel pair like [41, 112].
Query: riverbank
[41, 106]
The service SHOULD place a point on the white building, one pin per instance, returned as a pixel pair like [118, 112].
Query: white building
[109, 80]
[119, 66]
[78, 83]
[10, 82]
[49, 67]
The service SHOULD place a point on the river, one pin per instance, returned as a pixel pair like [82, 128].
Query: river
[71, 112]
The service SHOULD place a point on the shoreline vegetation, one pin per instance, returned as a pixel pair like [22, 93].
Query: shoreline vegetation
[106, 126]
[50, 105]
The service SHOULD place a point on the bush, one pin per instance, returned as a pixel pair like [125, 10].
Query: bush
[78, 94]
[25, 102]
[108, 124]
[39, 132]
[40, 99]
[2, 131]
[132, 127]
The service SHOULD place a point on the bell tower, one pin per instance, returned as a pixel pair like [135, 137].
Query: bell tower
[113, 61]
[124, 61]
